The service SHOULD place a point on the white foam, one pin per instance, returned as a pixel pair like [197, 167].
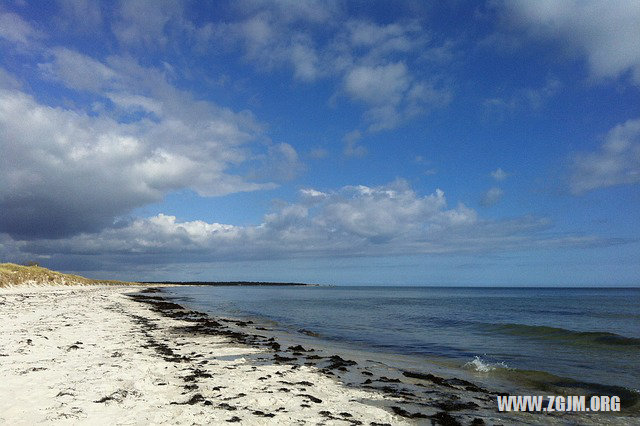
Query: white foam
[482, 366]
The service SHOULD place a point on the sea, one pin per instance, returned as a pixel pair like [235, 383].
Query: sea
[562, 340]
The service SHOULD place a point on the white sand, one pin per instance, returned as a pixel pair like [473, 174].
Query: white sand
[82, 355]
[63, 349]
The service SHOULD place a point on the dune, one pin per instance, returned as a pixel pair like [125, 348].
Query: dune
[12, 275]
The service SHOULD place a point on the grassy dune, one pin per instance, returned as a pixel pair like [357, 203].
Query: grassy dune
[16, 275]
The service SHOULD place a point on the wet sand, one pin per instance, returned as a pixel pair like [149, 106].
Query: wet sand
[111, 355]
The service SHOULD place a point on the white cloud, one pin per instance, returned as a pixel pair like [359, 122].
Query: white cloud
[304, 60]
[15, 29]
[269, 41]
[256, 32]
[144, 23]
[492, 197]
[605, 32]
[379, 41]
[351, 147]
[390, 212]
[384, 84]
[499, 174]
[351, 221]
[78, 71]
[281, 163]
[132, 103]
[370, 59]
[617, 162]
[312, 195]
[58, 163]
[391, 94]
[129, 85]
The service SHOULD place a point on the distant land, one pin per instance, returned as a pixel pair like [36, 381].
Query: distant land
[228, 283]
[12, 275]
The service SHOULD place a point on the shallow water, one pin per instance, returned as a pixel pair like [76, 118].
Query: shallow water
[589, 335]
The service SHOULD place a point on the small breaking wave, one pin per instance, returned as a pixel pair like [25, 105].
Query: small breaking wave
[483, 366]
[547, 382]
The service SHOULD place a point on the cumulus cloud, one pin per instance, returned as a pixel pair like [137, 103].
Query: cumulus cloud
[271, 38]
[58, 163]
[605, 32]
[391, 212]
[58, 167]
[391, 93]
[369, 59]
[353, 219]
[378, 85]
[356, 220]
[617, 162]
[314, 39]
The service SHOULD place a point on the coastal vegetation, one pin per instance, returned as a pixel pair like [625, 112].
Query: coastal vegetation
[17, 275]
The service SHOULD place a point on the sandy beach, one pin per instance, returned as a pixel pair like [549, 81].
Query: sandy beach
[111, 355]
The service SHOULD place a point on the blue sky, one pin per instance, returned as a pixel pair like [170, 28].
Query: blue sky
[453, 143]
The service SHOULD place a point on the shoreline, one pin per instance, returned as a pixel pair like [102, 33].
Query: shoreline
[129, 355]
[482, 369]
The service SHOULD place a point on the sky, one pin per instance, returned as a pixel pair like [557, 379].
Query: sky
[334, 142]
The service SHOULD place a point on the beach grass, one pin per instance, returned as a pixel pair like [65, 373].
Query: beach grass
[12, 275]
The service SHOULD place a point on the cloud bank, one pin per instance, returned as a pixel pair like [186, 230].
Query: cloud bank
[358, 220]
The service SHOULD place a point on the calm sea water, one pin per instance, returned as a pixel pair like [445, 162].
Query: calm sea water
[589, 335]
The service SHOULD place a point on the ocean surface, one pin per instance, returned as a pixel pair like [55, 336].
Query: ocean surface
[534, 336]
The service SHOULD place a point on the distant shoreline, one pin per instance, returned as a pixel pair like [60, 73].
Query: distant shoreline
[229, 283]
